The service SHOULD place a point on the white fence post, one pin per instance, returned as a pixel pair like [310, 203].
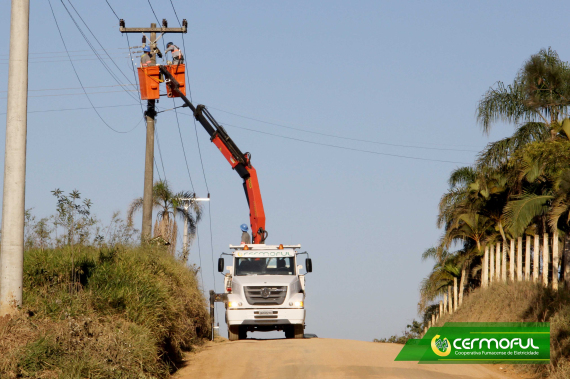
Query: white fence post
[519, 259]
[527, 260]
[545, 260]
[504, 263]
[491, 264]
[498, 262]
[485, 273]
[555, 260]
[535, 261]
[454, 294]
[512, 261]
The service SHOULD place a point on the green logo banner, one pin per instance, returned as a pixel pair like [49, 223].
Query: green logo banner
[481, 342]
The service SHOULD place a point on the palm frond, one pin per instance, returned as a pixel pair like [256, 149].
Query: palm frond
[519, 213]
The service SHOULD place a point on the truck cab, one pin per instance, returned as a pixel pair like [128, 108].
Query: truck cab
[265, 290]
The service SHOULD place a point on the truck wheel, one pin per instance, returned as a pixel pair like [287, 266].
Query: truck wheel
[298, 331]
[233, 332]
[242, 332]
[289, 333]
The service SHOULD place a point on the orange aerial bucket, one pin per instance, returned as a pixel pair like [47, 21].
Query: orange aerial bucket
[149, 81]
[178, 71]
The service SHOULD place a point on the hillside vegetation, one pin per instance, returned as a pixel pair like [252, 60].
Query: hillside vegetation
[524, 302]
[88, 312]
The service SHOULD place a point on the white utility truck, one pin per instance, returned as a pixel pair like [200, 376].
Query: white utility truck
[265, 290]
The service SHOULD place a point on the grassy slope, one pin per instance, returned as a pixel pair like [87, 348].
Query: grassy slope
[523, 301]
[125, 313]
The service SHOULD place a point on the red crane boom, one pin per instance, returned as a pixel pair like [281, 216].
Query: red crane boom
[241, 162]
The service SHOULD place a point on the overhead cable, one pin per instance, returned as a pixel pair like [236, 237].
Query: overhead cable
[337, 146]
[79, 79]
[341, 137]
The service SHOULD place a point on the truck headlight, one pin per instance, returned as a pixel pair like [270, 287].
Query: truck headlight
[298, 303]
[234, 304]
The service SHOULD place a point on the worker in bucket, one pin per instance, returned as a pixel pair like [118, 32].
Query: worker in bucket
[245, 238]
[146, 58]
[177, 57]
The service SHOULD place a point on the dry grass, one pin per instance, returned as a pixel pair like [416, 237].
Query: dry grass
[122, 313]
[524, 302]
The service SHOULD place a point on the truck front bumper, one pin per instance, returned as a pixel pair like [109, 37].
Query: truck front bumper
[275, 316]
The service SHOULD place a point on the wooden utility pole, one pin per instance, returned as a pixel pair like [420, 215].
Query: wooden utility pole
[150, 116]
[12, 249]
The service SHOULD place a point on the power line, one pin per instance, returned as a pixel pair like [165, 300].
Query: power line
[63, 52]
[65, 60]
[75, 94]
[187, 80]
[342, 137]
[337, 146]
[81, 108]
[79, 79]
[76, 55]
[152, 9]
[184, 150]
[69, 88]
[91, 46]
[159, 151]
[112, 9]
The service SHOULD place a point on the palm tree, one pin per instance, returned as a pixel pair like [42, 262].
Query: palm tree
[169, 206]
[539, 94]
[441, 276]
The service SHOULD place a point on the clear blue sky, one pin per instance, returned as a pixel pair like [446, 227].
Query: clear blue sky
[406, 73]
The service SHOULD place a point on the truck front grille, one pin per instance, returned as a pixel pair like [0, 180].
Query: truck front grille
[263, 295]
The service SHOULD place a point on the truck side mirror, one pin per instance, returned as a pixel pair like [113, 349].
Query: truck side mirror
[220, 264]
[309, 265]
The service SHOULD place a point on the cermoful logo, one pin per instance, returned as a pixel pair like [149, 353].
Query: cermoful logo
[440, 346]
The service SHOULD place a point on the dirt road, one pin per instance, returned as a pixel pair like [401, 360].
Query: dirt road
[316, 358]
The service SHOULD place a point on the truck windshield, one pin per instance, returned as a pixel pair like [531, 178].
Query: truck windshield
[265, 266]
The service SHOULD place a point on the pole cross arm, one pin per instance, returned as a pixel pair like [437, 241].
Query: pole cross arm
[163, 29]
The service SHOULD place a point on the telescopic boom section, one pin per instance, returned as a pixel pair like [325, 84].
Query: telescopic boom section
[238, 160]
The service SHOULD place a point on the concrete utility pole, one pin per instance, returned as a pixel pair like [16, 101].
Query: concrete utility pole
[12, 249]
[150, 115]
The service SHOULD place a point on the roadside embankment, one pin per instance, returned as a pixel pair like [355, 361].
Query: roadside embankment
[102, 313]
[524, 302]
